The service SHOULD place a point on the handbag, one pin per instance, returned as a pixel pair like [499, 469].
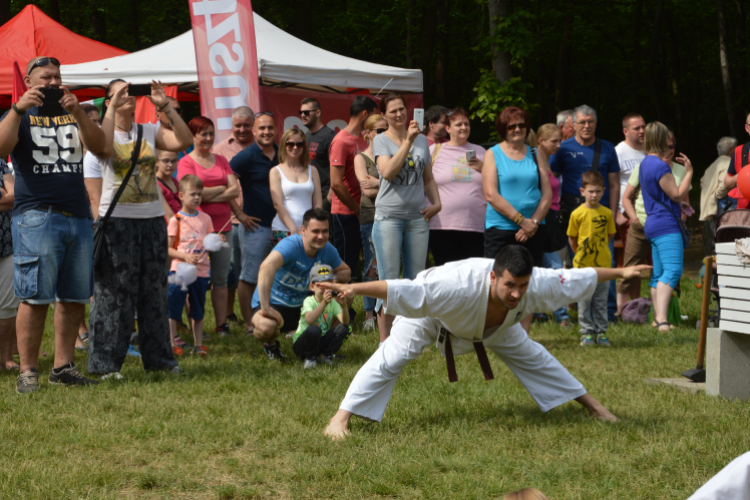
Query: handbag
[556, 237]
[683, 228]
[99, 245]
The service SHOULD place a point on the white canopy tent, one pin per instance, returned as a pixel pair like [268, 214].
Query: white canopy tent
[283, 60]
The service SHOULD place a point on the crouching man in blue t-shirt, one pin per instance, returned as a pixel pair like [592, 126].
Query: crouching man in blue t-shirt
[284, 279]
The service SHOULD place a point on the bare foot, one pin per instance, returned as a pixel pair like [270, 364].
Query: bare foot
[338, 426]
[602, 414]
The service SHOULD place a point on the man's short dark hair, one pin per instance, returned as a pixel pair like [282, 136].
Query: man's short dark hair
[626, 119]
[434, 113]
[515, 259]
[314, 213]
[88, 108]
[311, 100]
[362, 103]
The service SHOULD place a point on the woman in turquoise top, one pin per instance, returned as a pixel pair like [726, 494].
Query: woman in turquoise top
[518, 195]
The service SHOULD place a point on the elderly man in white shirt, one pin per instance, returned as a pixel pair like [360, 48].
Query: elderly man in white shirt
[468, 305]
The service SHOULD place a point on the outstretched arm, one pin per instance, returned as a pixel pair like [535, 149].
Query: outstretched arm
[606, 273]
[374, 289]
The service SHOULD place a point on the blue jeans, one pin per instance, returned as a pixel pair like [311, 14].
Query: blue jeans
[368, 253]
[398, 240]
[53, 256]
[348, 241]
[668, 257]
[552, 260]
[234, 274]
[256, 245]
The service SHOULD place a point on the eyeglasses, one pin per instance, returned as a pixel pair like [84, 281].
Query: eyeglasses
[380, 130]
[261, 113]
[306, 112]
[514, 126]
[168, 161]
[43, 62]
[292, 145]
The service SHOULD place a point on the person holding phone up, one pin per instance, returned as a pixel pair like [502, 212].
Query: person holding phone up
[401, 230]
[457, 232]
[51, 225]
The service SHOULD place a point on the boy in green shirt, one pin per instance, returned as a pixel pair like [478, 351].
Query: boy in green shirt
[590, 229]
[314, 337]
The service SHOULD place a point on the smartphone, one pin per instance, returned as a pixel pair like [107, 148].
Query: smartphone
[139, 90]
[470, 155]
[419, 117]
[51, 102]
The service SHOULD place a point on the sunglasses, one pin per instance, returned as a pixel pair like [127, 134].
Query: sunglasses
[43, 62]
[380, 130]
[519, 126]
[168, 161]
[307, 112]
[292, 145]
[261, 113]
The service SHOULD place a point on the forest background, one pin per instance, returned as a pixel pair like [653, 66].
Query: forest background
[682, 62]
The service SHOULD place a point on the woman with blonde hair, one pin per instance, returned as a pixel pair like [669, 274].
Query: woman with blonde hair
[295, 185]
[369, 180]
[661, 198]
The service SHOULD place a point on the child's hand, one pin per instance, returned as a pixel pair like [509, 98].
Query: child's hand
[192, 258]
[328, 296]
[223, 238]
[341, 299]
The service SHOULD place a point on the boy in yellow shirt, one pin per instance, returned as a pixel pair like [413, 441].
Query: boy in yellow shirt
[589, 232]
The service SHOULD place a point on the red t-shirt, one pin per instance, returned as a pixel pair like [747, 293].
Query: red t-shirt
[344, 148]
[172, 200]
[221, 212]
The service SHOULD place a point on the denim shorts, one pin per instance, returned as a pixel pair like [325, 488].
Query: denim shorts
[52, 257]
[234, 274]
[196, 295]
[256, 245]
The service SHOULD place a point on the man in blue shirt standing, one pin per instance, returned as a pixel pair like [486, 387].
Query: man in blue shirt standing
[584, 151]
[284, 279]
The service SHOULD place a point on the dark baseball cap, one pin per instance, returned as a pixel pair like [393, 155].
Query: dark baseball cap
[320, 273]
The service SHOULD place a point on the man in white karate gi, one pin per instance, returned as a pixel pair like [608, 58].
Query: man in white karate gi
[467, 302]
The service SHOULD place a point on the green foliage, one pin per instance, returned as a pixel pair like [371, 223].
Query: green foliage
[491, 97]
[513, 36]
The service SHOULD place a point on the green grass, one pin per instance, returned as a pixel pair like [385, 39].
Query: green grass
[236, 426]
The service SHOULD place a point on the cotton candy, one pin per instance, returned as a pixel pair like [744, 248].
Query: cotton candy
[212, 242]
[185, 275]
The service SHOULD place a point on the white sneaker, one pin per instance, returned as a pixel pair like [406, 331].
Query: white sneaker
[370, 324]
[113, 376]
[310, 363]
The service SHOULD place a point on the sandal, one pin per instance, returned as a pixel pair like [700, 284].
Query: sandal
[179, 342]
[654, 324]
[660, 325]
[84, 337]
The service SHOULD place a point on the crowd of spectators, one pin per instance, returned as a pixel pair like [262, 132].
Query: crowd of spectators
[304, 210]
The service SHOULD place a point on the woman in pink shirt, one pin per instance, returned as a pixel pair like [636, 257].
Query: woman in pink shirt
[220, 186]
[457, 231]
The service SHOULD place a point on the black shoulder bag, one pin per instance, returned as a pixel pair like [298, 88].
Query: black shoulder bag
[554, 236]
[99, 245]
[683, 228]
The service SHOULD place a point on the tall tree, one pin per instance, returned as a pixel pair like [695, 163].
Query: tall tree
[726, 78]
[654, 78]
[500, 58]
[135, 26]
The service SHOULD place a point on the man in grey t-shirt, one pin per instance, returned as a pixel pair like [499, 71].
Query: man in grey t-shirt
[319, 139]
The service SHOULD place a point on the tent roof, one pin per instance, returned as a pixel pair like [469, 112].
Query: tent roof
[281, 58]
[32, 33]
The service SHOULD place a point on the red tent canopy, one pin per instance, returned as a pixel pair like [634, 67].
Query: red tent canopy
[32, 33]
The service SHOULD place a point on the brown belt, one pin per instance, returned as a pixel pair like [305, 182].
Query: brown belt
[450, 362]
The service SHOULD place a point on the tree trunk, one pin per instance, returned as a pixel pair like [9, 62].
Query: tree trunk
[676, 79]
[653, 77]
[740, 75]
[54, 10]
[562, 85]
[500, 59]
[427, 43]
[135, 26]
[409, 34]
[4, 11]
[441, 61]
[636, 83]
[725, 75]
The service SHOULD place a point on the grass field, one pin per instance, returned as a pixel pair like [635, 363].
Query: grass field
[237, 426]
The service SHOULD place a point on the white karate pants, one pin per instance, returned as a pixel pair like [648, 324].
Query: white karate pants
[548, 382]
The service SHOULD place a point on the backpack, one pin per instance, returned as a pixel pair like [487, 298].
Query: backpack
[741, 154]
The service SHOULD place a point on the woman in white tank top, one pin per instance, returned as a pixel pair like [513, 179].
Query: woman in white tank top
[295, 186]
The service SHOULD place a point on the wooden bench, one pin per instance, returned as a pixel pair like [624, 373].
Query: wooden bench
[728, 347]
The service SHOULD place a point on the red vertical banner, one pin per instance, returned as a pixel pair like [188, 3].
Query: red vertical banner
[227, 59]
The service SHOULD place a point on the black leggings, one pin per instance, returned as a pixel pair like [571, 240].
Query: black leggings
[312, 342]
[448, 245]
[495, 239]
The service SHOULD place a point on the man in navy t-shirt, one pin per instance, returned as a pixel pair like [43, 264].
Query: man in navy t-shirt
[51, 227]
[284, 279]
[575, 156]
